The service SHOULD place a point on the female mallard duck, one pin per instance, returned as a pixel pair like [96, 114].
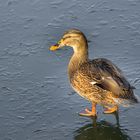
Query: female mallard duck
[99, 80]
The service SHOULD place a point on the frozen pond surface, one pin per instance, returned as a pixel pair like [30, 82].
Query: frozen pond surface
[36, 101]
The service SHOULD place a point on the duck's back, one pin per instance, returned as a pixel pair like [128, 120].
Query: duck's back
[101, 81]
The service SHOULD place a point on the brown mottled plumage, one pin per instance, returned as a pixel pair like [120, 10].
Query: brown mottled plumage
[99, 80]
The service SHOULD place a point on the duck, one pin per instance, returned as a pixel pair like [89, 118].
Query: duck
[99, 80]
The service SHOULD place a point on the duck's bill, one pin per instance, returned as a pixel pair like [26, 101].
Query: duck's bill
[54, 47]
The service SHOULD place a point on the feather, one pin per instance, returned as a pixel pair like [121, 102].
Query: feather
[93, 82]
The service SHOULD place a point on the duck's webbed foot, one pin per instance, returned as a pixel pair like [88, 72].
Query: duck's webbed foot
[109, 110]
[89, 113]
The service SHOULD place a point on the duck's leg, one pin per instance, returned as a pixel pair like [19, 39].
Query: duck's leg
[109, 110]
[88, 112]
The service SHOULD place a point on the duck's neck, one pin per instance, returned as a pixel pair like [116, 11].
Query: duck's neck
[79, 57]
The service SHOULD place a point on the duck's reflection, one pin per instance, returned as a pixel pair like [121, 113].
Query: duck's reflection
[102, 130]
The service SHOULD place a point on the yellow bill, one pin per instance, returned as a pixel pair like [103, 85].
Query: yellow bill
[54, 47]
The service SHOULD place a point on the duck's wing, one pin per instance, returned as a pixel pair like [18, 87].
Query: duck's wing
[106, 75]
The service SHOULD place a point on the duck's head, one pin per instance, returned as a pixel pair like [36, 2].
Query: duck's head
[73, 38]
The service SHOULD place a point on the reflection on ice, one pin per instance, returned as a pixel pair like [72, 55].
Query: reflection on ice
[101, 130]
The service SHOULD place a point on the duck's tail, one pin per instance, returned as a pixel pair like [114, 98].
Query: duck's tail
[126, 102]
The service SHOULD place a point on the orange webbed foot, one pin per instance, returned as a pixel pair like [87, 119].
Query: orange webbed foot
[109, 110]
[89, 113]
